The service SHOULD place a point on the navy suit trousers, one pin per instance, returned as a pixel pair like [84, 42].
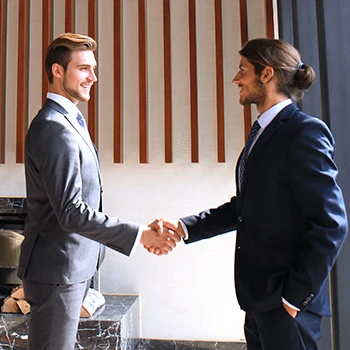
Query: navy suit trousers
[277, 330]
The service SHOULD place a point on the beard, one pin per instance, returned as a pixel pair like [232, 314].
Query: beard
[256, 96]
[74, 93]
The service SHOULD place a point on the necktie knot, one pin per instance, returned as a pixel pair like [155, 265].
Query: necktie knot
[250, 139]
[81, 120]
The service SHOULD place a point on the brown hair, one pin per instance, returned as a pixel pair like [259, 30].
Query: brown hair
[61, 48]
[293, 76]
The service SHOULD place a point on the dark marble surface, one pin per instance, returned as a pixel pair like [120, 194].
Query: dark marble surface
[13, 212]
[12, 205]
[158, 344]
[114, 326]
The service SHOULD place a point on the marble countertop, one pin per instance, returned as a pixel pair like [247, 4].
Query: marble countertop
[113, 326]
[12, 205]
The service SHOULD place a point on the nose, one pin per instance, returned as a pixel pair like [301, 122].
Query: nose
[93, 76]
[235, 79]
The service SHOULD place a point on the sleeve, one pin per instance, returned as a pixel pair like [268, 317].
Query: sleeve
[68, 177]
[211, 222]
[313, 174]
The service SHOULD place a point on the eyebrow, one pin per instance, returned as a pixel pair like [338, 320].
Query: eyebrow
[87, 65]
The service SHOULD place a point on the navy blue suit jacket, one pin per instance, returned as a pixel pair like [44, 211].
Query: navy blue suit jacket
[290, 216]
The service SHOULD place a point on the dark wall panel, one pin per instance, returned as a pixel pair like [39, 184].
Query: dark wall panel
[320, 30]
[337, 29]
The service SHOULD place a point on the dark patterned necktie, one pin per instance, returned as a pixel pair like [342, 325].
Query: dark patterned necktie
[251, 137]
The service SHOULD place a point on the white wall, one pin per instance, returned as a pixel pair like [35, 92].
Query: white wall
[190, 293]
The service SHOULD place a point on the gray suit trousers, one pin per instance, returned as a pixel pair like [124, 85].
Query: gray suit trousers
[54, 315]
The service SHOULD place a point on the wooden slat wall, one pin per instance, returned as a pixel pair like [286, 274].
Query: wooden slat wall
[3, 22]
[143, 131]
[69, 16]
[168, 140]
[93, 102]
[270, 25]
[22, 79]
[247, 112]
[117, 93]
[46, 39]
[220, 103]
[193, 81]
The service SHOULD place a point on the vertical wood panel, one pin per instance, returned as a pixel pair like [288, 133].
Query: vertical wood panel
[219, 83]
[193, 80]
[247, 112]
[117, 92]
[93, 102]
[69, 20]
[142, 82]
[270, 27]
[22, 79]
[3, 22]
[167, 83]
[46, 39]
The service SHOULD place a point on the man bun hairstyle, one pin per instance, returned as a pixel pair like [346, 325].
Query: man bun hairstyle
[293, 76]
[61, 48]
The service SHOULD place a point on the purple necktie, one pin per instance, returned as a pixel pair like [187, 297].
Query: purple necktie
[81, 121]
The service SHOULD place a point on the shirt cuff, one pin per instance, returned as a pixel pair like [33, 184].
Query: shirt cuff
[290, 305]
[137, 240]
[185, 230]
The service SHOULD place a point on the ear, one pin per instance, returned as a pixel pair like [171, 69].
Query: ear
[57, 70]
[267, 74]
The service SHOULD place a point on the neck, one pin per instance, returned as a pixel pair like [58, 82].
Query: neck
[269, 102]
[56, 89]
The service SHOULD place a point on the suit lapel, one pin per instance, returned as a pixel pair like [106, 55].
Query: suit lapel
[263, 139]
[53, 104]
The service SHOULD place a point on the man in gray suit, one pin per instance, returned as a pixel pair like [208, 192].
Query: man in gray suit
[65, 225]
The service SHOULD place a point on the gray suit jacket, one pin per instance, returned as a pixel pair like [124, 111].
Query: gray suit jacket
[65, 225]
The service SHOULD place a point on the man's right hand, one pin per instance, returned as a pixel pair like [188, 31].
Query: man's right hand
[158, 242]
[164, 226]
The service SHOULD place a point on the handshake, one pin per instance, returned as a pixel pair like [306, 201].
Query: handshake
[161, 236]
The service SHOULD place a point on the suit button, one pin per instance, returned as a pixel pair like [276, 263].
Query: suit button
[240, 219]
[304, 303]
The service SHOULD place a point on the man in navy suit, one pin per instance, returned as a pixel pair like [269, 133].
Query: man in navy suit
[289, 212]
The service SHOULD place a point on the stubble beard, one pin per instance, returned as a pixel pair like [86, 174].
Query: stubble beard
[76, 95]
[258, 96]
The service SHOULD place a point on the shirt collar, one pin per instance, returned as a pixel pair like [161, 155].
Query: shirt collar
[68, 105]
[266, 118]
